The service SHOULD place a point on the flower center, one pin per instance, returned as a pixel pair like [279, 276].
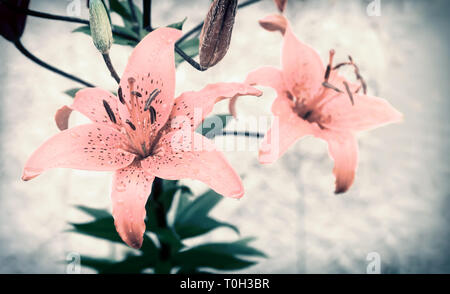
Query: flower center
[139, 128]
[311, 110]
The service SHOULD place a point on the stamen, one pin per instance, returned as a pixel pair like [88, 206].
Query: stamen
[135, 93]
[152, 115]
[151, 97]
[143, 148]
[340, 65]
[330, 86]
[347, 88]
[119, 92]
[330, 65]
[358, 75]
[132, 126]
[110, 113]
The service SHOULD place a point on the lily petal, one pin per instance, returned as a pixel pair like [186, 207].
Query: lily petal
[303, 69]
[85, 147]
[183, 155]
[62, 117]
[90, 102]
[131, 187]
[287, 127]
[367, 113]
[192, 107]
[150, 69]
[266, 76]
[343, 149]
[274, 22]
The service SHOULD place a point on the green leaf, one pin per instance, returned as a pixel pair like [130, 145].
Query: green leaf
[200, 207]
[234, 248]
[194, 258]
[72, 92]
[101, 228]
[120, 8]
[98, 264]
[218, 255]
[116, 38]
[213, 125]
[178, 25]
[199, 226]
[149, 248]
[83, 29]
[130, 264]
[190, 47]
[94, 212]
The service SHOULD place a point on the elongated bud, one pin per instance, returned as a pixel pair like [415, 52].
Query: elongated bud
[216, 32]
[100, 27]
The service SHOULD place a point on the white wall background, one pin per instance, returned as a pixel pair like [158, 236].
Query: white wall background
[397, 206]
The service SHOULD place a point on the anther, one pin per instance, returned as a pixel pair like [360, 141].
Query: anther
[340, 65]
[330, 86]
[330, 65]
[358, 75]
[110, 113]
[132, 126]
[151, 97]
[119, 92]
[152, 115]
[347, 88]
[136, 93]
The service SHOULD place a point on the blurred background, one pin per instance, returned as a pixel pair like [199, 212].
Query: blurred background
[396, 208]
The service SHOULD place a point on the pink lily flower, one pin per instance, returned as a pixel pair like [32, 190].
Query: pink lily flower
[315, 100]
[143, 133]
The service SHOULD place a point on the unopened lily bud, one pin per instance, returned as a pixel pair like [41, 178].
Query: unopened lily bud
[281, 4]
[100, 26]
[216, 32]
[274, 22]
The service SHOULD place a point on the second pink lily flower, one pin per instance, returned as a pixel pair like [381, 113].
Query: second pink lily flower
[143, 133]
[311, 101]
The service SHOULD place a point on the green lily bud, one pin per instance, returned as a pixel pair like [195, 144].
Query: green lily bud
[100, 26]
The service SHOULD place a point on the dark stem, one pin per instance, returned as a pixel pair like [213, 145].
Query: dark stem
[147, 17]
[108, 62]
[28, 54]
[191, 61]
[161, 219]
[59, 17]
[238, 133]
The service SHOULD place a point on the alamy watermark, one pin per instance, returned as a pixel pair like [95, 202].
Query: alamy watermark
[374, 263]
[73, 263]
[374, 8]
[73, 9]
